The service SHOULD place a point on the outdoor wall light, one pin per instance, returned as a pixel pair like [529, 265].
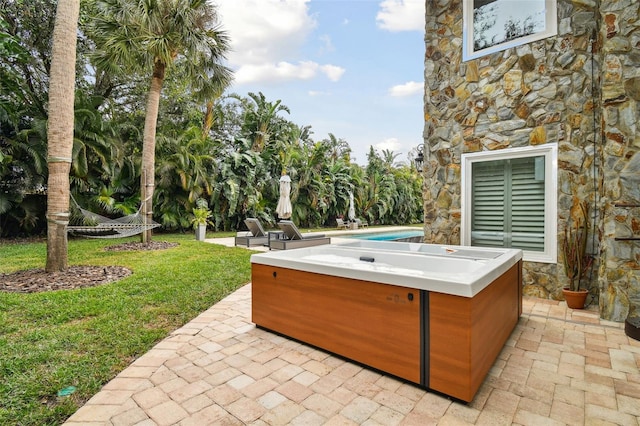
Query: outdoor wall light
[419, 160]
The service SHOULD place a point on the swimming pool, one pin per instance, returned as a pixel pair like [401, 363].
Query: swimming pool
[416, 236]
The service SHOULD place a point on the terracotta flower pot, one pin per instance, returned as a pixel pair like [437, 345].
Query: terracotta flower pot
[575, 299]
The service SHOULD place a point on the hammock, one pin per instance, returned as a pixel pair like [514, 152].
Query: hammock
[97, 226]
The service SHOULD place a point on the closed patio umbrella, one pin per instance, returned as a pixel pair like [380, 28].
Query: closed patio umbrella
[284, 209]
[352, 208]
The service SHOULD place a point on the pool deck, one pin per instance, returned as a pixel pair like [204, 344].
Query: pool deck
[560, 366]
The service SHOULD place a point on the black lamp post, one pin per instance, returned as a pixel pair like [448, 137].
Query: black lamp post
[419, 160]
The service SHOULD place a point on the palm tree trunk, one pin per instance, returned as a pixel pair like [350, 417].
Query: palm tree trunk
[60, 131]
[147, 176]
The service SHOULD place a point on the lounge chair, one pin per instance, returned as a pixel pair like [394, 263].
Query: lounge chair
[294, 239]
[361, 224]
[256, 236]
[342, 224]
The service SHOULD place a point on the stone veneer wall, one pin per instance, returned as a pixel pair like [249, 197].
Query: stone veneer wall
[579, 89]
[620, 270]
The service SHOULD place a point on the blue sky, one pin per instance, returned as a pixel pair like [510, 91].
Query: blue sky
[354, 68]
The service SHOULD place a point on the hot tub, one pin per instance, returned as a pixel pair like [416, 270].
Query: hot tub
[437, 316]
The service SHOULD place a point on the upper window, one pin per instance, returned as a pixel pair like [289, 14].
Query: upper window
[509, 199]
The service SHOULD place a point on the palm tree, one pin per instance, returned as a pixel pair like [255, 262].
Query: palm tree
[95, 149]
[381, 187]
[22, 173]
[261, 119]
[187, 168]
[153, 36]
[237, 192]
[310, 184]
[338, 185]
[60, 131]
[339, 148]
[389, 158]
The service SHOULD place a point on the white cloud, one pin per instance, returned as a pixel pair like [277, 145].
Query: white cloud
[407, 89]
[266, 38]
[285, 71]
[327, 44]
[333, 72]
[401, 15]
[391, 144]
[261, 30]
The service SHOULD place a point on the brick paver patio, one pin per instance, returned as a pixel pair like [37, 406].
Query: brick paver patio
[559, 367]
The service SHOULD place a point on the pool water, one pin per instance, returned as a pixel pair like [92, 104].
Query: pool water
[390, 236]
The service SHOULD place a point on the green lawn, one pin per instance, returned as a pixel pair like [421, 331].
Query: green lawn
[83, 338]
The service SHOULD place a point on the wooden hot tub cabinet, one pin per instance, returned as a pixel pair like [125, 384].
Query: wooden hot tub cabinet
[443, 342]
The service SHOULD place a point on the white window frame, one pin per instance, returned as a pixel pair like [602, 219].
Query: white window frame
[550, 153]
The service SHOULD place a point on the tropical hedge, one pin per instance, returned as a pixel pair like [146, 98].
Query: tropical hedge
[229, 150]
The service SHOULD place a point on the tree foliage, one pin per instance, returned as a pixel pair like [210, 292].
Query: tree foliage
[229, 149]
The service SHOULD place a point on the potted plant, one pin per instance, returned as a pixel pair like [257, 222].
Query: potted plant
[201, 215]
[576, 260]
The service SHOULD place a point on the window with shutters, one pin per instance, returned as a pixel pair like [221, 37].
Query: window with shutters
[509, 200]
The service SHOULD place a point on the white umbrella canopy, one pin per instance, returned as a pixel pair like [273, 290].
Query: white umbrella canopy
[352, 208]
[284, 209]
